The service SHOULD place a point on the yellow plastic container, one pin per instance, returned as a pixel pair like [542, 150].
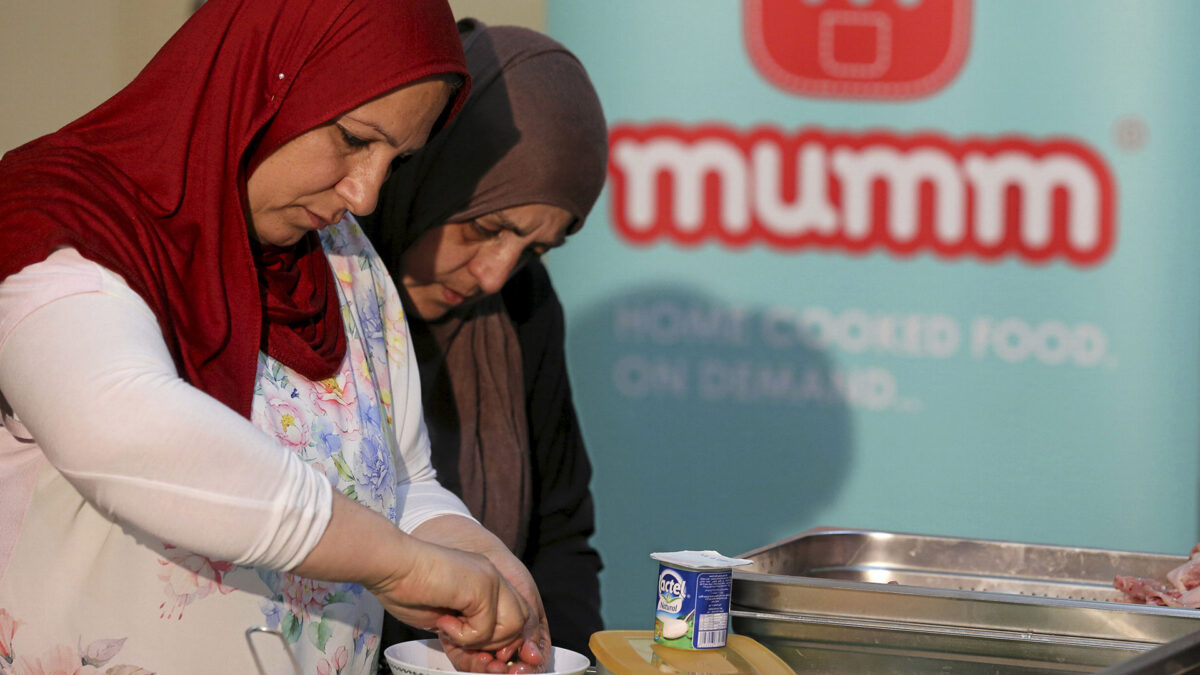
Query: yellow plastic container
[634, 652]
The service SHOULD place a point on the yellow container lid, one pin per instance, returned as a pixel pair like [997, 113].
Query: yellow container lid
[634, 652]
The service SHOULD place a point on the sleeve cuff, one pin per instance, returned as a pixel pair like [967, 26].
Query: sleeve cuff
[419, 502]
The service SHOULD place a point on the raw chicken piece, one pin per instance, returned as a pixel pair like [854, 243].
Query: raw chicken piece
[1182, 588]
[1142, 591]
[1190, 599]
[1187, 575]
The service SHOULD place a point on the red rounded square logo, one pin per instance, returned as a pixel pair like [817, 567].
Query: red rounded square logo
[886, 49]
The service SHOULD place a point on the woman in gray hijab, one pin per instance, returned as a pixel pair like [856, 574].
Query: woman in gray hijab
[462, 226]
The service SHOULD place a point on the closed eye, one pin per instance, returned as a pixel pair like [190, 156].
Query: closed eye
[351, 140]
[483, 230]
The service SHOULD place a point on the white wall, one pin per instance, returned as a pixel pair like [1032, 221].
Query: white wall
[61, 58]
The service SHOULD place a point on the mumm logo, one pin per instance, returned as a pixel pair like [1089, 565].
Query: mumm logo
[982, 197]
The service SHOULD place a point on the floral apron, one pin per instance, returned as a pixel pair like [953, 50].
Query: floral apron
[82, 595]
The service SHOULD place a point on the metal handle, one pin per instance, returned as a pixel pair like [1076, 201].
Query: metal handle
[254, 651]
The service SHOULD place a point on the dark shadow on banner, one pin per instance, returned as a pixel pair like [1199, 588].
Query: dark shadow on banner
[705, 429]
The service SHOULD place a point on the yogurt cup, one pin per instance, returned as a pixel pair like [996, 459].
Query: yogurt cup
[692, 610]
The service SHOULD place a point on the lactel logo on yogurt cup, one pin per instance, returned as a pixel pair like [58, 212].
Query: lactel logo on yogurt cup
[671, 591]
[692, 610]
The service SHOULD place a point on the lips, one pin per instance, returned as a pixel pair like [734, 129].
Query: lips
[452, 297]
[319, 222]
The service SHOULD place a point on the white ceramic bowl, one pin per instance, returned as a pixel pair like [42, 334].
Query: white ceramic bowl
[425, 657]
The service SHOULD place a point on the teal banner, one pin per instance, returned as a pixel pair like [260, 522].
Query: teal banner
[923, 266]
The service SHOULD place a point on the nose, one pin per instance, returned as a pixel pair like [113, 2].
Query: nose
[492, 266]
[360, 187]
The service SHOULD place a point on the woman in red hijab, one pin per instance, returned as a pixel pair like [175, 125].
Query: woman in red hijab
[208, 401]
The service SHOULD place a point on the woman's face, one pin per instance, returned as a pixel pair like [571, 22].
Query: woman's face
[314, 179]
[458, 263]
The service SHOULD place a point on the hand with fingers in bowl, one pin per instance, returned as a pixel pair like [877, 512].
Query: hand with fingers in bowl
[529, 650]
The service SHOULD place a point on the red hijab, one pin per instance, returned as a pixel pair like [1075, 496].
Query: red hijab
[152, 184]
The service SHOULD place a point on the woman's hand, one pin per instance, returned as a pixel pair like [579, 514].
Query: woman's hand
[530, 651]
[459, 594]
[522, 656]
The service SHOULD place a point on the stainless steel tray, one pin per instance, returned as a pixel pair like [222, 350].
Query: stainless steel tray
[872, 601]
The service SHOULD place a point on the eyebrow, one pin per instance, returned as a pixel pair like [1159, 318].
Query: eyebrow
[390, 141]
[504, 222]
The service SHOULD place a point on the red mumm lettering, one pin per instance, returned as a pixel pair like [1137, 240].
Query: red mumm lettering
[982, 197]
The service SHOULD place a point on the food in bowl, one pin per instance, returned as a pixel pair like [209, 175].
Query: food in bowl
[425, 657]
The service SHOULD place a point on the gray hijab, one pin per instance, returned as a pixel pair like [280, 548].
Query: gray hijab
[531, 131]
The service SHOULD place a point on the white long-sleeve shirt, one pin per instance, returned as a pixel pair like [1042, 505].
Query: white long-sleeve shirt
[143, 522]
[84, 367]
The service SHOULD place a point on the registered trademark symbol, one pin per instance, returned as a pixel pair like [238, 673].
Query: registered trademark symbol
[1130, 133]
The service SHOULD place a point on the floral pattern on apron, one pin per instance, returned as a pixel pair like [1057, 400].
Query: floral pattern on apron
[342, 427]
